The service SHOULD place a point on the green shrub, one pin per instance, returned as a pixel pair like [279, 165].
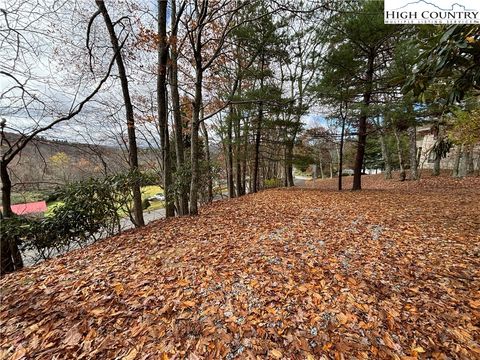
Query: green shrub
[87, 211]
[272, 183]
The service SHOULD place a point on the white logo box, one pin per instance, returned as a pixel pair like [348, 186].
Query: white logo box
[432, 12]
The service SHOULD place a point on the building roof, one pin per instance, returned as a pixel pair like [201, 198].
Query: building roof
[30, 208]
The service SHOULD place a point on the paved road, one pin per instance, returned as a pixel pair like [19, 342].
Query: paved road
[148, 216]
[300, 180]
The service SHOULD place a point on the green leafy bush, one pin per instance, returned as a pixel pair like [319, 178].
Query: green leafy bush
[87, 211]
[272, 183]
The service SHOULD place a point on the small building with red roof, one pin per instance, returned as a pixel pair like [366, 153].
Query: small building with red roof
[33, 208]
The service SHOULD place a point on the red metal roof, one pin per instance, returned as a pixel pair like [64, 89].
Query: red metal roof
[30, 208]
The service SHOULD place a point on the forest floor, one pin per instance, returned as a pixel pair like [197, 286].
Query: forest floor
[392, 271]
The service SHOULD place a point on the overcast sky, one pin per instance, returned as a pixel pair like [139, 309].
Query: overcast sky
[51, 64]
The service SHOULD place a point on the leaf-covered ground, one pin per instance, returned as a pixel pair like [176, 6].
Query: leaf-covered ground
[389, 272]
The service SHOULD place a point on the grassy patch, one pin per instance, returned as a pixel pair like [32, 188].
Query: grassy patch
[28, 196]
[148, 191]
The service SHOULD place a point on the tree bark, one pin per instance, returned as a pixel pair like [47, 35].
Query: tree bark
[289, 164]
[258, 134]
[177, 117]
[209, 165]
[230, 183]
[244, 159]
[6, 190]
[10, 256]
[399, 154]
[362, 125]
[465, 161]
[436, 129]
[238, 165]
[162, 108]
[436, 165]
[194, 154]
[412, 136]
[456, 161]
[340, 155]
[362, 141]
[132, 141]
[471, 161]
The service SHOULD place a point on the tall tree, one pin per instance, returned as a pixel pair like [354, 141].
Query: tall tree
[366, 44]
[203, 27]
[162, 107]
[301, 72]
[263, 43]
[132, 140]
[182, 190]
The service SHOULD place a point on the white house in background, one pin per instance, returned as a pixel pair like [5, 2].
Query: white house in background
[425, 143]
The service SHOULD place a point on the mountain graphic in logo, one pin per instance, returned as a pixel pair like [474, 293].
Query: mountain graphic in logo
[427, 3]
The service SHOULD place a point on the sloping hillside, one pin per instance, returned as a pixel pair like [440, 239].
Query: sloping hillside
[44, 163]
[293, 274]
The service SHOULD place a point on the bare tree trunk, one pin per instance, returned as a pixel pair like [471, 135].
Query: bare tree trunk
[6, 190]
[412, 136]
[456, 161]
[399, 154]
[244, 159]
[362, 141]
[194, 154]
[289, 163]
[177, 117]
[238, 166]
[258, 134]
[436, 165]
[132, 141]
[465, 161]
[340, 153]
[162, 108]
[10, 256]
[362, 126]
[437, 137]
[462, 169]
[230, 183]
[471, 161]
[209, 165]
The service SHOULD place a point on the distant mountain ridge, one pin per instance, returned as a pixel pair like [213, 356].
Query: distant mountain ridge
[79, 161]
[431, 4]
